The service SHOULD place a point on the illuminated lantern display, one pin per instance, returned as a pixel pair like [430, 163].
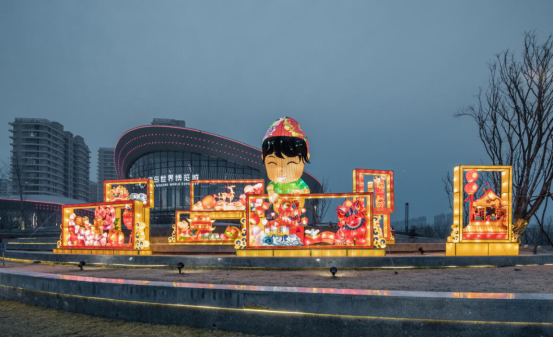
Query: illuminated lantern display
[381, 184]
[482, 220]
[221, 200]
[97, 228]
[281, 231]
[285, 151]
[279, 225]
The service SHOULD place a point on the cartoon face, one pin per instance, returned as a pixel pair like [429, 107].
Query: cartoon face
[284, 170]
[289, 211]
[351, 214]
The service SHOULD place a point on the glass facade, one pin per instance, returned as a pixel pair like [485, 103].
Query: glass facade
[172, 172]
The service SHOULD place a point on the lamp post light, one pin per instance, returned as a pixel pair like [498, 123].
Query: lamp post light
[406, 218]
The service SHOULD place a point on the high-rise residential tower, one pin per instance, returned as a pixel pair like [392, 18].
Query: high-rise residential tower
[46, 160]
[106, 169]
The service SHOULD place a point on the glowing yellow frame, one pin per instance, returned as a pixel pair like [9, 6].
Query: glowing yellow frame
[138, 206]
[313, 251]
[149, 189]
[213, 215]
[134, 249]
[210, 216]
[456, 245]
[358, 186]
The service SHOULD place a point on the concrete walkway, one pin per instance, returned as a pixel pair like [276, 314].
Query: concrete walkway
[286, 311]
[394, 261]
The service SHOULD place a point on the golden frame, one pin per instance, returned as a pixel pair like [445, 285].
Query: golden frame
[307, 251]
[359, 187]
[456, 244]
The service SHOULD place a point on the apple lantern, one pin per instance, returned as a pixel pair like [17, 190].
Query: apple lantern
[472, 176]
[471, 188]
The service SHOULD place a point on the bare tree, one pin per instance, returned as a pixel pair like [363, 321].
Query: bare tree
[4, 176]
[319, 207]
[514, 120]
[19, 185]
[448, 186]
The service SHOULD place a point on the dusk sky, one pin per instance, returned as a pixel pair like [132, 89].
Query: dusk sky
[374, 84]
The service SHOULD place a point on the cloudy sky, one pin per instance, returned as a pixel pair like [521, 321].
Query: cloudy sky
[374, 84]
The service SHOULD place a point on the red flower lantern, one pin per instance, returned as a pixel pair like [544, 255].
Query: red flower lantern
[472, 176]
[471, 188]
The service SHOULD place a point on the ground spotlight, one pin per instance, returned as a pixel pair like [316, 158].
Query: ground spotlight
[333, 270]
[180, 266]
[421, 250]
[81, 264]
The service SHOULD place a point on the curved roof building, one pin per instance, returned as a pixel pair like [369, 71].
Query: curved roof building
[174, 155]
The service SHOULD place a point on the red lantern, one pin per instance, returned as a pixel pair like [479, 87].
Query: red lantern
[128, 219]
[472, 176]
[471, 188]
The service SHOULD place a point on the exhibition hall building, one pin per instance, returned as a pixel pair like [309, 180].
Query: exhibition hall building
[172, 156]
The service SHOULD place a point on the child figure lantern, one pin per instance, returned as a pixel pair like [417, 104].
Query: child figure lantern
[285, 152]
[280, 227]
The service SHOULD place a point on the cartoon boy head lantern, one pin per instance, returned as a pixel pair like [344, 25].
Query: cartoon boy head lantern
[285, 150]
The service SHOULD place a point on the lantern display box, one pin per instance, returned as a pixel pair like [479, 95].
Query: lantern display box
[482, 216]
[214, 200]
[196, 228]
[381, 184]
[281, 229]
[118, 226]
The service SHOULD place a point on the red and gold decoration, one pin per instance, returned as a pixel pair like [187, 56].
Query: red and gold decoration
[119, 226]
[482, 216]
[280, 225]
[130, 189]
[282, 229]
[227, 201]
[381, 184]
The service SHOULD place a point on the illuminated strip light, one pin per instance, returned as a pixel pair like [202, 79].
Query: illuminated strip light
[58, 263]
[26, 200]
[120, 151]
[186, 129]
[174, 135]
[248, 268]
[154, 135]
[185, 144]
[280, 312]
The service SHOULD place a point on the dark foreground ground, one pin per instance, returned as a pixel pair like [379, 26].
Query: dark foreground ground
[18, 319]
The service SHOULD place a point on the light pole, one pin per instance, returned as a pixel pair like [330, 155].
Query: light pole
[406, 214]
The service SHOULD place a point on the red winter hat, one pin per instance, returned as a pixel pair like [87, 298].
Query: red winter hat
[286, 127]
